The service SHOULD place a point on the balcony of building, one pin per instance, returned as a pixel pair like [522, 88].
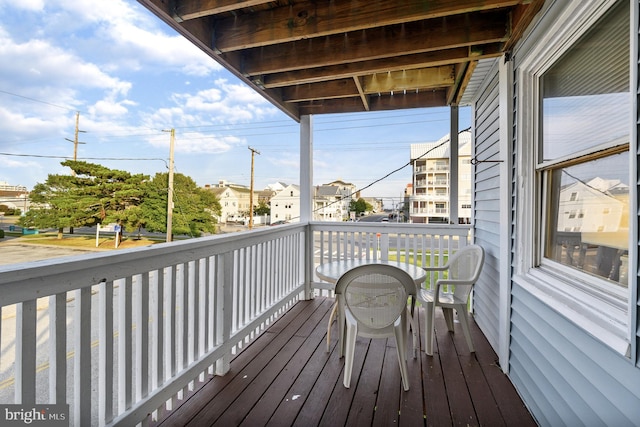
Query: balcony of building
[217, 329]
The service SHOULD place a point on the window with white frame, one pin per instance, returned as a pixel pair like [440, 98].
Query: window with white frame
[575, 124]
[583, 155]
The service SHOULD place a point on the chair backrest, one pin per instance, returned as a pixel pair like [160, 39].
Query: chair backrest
[466, 265]
[375, 294]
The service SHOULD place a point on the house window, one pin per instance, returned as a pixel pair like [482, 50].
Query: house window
[583, 154]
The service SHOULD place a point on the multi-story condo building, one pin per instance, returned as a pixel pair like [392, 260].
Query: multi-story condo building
[429, 202]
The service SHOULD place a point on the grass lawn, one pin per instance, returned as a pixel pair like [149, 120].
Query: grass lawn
[88, 242]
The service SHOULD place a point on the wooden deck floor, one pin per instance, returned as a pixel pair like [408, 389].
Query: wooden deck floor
[286, 378]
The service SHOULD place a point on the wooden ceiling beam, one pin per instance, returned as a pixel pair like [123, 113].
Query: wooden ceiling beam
[185, 10]
[405, 62]
[343, 88]
[311, 19]
[364, 98]
[434, 98]
[388, 42]
[395, 81]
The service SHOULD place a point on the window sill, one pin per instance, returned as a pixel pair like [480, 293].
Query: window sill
[604, 321]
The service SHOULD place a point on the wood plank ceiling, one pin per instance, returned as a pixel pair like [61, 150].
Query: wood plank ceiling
[337, 56]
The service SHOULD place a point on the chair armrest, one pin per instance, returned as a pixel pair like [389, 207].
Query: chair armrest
[436, 268]
[449, 282]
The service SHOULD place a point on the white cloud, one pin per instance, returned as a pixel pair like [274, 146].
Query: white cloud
[39, 63]
[132, 37]
[31, 5]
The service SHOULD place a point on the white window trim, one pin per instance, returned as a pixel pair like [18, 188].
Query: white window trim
[607, 320]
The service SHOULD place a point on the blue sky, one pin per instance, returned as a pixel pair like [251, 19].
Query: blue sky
[130, 77]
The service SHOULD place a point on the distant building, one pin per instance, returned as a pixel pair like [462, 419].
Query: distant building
[270, 191]
[429, 202]
[378, 205]
[234, 201]
[285, 205]
[13, 197]
[331, 201]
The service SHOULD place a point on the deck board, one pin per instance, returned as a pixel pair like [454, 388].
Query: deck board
[286, 377]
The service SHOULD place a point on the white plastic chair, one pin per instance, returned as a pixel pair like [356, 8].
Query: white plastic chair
[372, 302]
[463, 269]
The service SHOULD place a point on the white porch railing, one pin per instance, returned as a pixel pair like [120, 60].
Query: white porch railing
[421, 245]
[145, 327]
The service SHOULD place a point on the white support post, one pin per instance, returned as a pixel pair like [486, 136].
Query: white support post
[306, 169]
[453, 166]
[306, 195]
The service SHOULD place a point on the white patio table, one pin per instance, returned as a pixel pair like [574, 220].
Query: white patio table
[332, 271]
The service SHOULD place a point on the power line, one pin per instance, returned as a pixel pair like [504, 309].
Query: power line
[36, 100]
[83, 158]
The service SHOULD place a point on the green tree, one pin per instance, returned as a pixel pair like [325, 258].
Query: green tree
[94, 194]
[359, 206]
[193, 212]
[263, 208]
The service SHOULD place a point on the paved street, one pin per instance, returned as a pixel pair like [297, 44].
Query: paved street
[13, 252]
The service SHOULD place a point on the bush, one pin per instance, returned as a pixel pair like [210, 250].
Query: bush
[1, 233]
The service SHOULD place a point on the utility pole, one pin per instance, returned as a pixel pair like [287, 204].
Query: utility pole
[253, 152]
[75, 139]
[75, 149]
[170, 186]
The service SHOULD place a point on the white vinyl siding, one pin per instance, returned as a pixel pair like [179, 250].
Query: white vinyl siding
[487, 210]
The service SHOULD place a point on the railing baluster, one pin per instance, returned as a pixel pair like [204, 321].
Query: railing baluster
[58, 348]
[25, 364]
[201, 320]
[158, 332]
[142, 338]
[125, 368]
[192, 312]
[82, 358]
[105, 352]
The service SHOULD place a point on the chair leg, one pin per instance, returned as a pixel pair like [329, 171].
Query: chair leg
[350, 341]
[448, 317]
[399, 329]
[429, 325]
[332, 316]
[414, 332]
[464, 322]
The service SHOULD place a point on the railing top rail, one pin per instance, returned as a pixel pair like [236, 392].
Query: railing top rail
[25, 281]
[392, 227]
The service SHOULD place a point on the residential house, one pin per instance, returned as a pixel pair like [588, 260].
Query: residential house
[331, 201]
[285, 205]
[234, 200]
[270, 190]
[432, 180]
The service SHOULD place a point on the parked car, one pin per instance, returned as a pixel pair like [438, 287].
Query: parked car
[278, 223]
